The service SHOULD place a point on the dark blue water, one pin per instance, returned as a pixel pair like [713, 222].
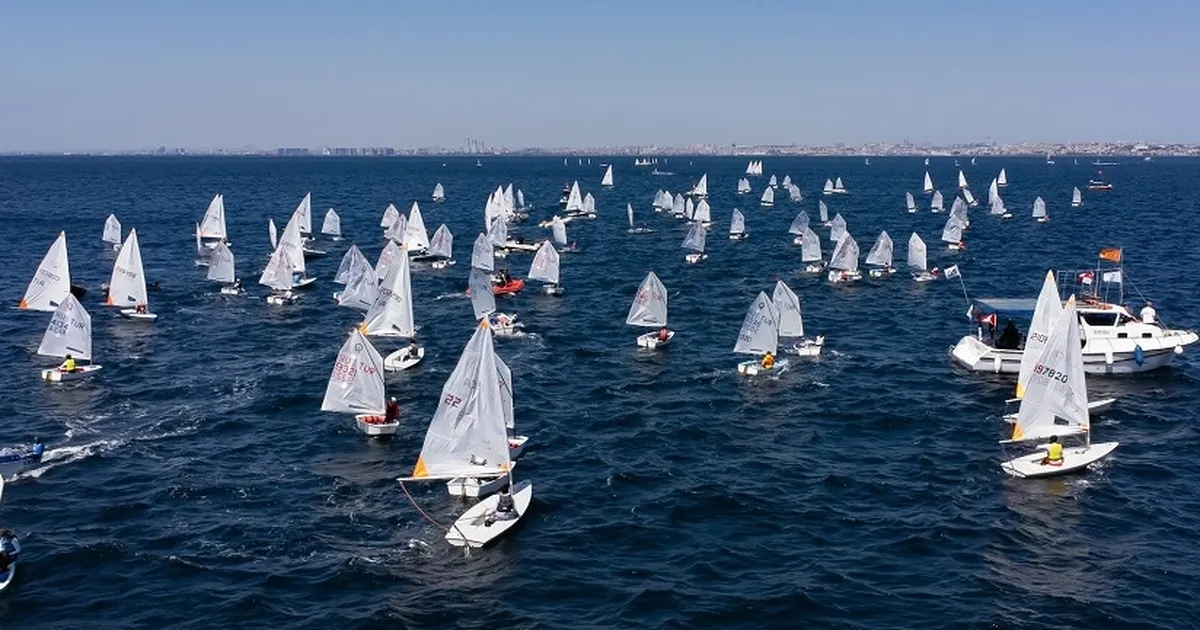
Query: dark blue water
[195, 484]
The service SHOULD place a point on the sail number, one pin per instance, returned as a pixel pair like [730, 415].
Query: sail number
[1050, 373]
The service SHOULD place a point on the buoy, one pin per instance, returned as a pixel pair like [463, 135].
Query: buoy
[1178, 349]
[1139, 356]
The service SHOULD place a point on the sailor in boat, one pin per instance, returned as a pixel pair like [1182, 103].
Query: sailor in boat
[68, 365]
[935, 272]
[1054, 453]
[1010, 339]
[237, 284]
[140, 309]
[499, 320]
[413, 350]
[663, 334]
[1148, 313]
[506, 509]
[35, 453]
[392, 412]
[768, 361]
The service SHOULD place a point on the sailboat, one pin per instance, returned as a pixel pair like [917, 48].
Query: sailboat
[389, 216]
[127, 288]
[362, 286]
[112, 232]
[794, 194]
[51, 283]
[1055, 404]
[416, 237]
[272, 233]
[972, 161]
[1039, 210]
[700, 191]
[649, 309]
[880, 256]
[823, 213]
[202, 253]
[1049, 159]
[545, 268]
[798, 226]
[936, 204]
[483, 302]
[293, 241]
[743, 186]
[828, 189]
[221, 268]
[607, 181]
[952, 234]
[346, 269]
[390, 255]
[641, 229]
[467, 438]
[332, 225]
[768, 197]
[927, 187]
[791, 324]
[558, 230]
[702, 213]
[392, 315]
[810, 252]
[926, 161]
[212, 226]
[69, 333]
[278, 275]
[962, 179]
[439, 193]
[695, 242]
[837, 228]
[356, 386]
[759, 336]
[476, 487]
[737, 226]
[910, 203]
[844, 261]
[1002, 179]
[1076, 198]
[441, 248]
[838, 187]
[916, 259]
[970, 198]
[773, 182]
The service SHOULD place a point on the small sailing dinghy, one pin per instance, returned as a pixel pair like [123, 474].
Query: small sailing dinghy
[823, 213]
[545, 268]
[936, 205]
[439, 193]
[292, 240]
[391, 316]
[212, 226]
[356, 386]
[51, 283]
[844, 261]
[791, 323]
[389, 216]
[69, 334]
[828, 189]
[1039, 210]
[1076, 198]
[743, 186]
[952, 234]
[838, 187]
[559, 231]
[703, 214]
[221, 268]
[810, 252]
[332, 225]
[467, 437]
[927, 188]
[607, 180]
[971, 201]
[880, 256]
[112, 232]
[695, 242]
[127, 287]
[641, 229]
[962, 179]
[362, 287]
[768, 197]
[1055, 406]
[441, 248]
[760, 337]
[700, 191]
[416, 237]
[916, 259]
[1002, 179]
[773, 182]
[202, 252]
[649, 309]
[477, 487]
[798, 226]
[483, 302]
[737, 226]
[278, 276]
[910, 203]
[352, 259]
[837, 228]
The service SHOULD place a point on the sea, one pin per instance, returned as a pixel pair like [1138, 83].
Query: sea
[195, 483]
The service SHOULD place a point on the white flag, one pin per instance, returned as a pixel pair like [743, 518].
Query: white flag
[952, 272]
[1112, 276]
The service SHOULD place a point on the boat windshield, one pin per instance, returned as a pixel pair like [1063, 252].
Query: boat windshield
[1099, 319]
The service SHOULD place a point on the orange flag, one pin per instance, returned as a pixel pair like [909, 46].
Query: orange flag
[1111, 254]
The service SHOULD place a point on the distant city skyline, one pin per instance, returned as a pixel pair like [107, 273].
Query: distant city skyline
[135, 75]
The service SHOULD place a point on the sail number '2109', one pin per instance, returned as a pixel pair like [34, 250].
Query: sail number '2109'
[1050, 373]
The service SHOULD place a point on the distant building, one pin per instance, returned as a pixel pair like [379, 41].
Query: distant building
[291, 151]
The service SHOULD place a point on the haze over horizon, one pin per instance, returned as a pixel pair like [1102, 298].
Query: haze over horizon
[135, 74]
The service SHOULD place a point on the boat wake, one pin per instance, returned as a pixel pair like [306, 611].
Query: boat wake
[64, 455]
[452, 296]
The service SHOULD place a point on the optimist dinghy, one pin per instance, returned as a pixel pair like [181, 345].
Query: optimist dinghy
[127, 287]
[760, 336]
[649, 309]
[69, 333]
[356, 386]
[392, 315]
[791, 324]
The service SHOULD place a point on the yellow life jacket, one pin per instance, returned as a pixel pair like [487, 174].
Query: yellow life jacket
[69, 365]
[1054, 452]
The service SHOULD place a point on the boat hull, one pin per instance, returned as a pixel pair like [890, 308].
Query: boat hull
[977, 356]
[55, 375]
[1074, 459]
[755, 368]
[374, 425]
[130, 313]
[650, 340]
[399, 360]
[474, 529]
[475, 487]
[807, 347]
[282, 299]
[692, 259]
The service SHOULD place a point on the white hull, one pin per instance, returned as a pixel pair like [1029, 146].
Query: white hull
[472, 528]
[314, 253]
[977, 356]
[650, 340]
[884, 272]
[374, 425]
[399, 360]
[232, 291]
[755, 368]
[282, 299]
[304, 283]
[516, 446]
[923, 276]
[738, 237]
[640, 230]
[55, 375]
[837, 276]
[1074, 459]
[475, 487]
[808, 348]
[955, 247]
[815, 268]
[441, 264]
[552, 289]
[692, 259]
[130, 313]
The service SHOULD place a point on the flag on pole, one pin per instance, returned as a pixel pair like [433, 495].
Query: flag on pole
[1086, 277]
[1111, 254]
[1111, 276]
[953, 272]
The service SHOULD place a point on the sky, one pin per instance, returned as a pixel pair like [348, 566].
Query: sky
[129, 74]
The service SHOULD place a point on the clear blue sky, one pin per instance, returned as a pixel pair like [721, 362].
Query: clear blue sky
[135, 73]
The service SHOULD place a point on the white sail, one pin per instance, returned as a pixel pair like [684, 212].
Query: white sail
[799, 224]
[356, 383]
[810, 247]
[794, 193]
[397, 230]
[838, 185]
[916, 253]
[787, 181]
[1055, 400]
[482, 298]
[1039, 208]
[952, 233]
[69, 331]
[649, 306]
[737, 224]
[278, 272]
[689, 209]
[677, 204]
[506, 393]
[997, 207]
[560, 231]
[823, 212]
[1045, 314]
[273, 233]
[467, 435]
[937, 205]
[589, 204]
[362, 288]
[353, 258]
[828, 186]
[392, 313]
[545, 264]
[439, 193]
[303, 213]
[743, 186]
[1002, 180]
[703, 213]
[221, 266]
[332, 226]
[389, 216]
[701, 189]
[750, 168]
[695, 237]
[629, 211]
[483, 254]
[881, 251]
[52, 281]
[962, 179]
[787, 305]
[773, 182]
[768, 196]
[1076, 198]
[845, 255]
[927, 188]
[127, 286]
[112, 230]
[520, 199]
[760, 328]
[388, 257]
[416, 237]
[575, 199]
[608, 177]
[837, 228]
[959, 212]
[993, 192]
[926, 161]
[213, 223]
[909, 202]
[970, 198]
[498, 233]
[442, 243]
[293, 242]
